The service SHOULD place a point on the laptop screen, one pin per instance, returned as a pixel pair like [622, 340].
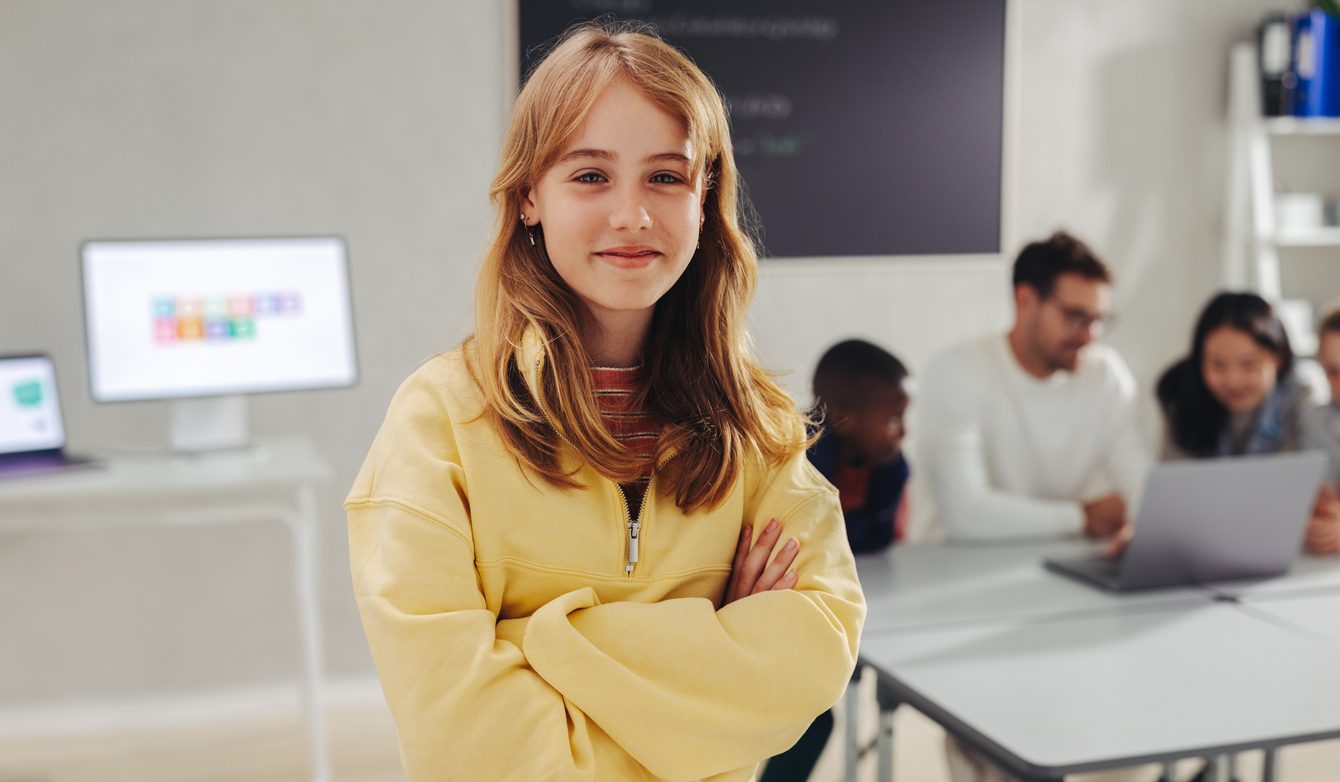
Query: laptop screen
[29, 410]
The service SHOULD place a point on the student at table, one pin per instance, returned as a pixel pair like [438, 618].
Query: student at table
[562, 539]
[1236, 393]
[860, 398]
[1321, 425]
[1321, 430]
[1032, 433]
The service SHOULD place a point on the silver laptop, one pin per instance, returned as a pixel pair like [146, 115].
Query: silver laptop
[1212, 520]
[32, 434]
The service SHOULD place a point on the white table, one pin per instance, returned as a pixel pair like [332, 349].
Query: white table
[1048, 677]
[919, 586]
[270, 482]
[926, 585]
[1308, 574]
[1313, 614]
[1050, 697]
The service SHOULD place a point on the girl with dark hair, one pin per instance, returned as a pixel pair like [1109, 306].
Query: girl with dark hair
[1236, 393]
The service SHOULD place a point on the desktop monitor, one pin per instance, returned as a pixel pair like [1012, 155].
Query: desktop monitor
[210, 318]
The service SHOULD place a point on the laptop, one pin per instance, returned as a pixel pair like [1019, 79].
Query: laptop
[1212, 520]
[32, 435]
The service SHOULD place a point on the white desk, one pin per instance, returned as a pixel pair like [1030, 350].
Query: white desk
[1316, 615]
[1308, 574]
[272, 482]
[929, 585]
[1049, 697]
[1048, 676]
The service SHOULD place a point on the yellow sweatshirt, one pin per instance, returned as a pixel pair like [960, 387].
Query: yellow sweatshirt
[513, 642]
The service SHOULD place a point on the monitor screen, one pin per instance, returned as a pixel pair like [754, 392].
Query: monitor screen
[29, 408]
[207, 317]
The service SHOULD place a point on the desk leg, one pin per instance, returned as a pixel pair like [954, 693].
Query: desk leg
[1218, 769]
[1268, 767]
[852, 707]
[885, 745]
[888, 705]
[309, 608]
[1169, 773]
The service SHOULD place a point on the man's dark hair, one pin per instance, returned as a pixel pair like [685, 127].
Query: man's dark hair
[856, 359]
[1040, 263]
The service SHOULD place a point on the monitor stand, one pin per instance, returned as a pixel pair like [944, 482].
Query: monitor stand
[209, 424]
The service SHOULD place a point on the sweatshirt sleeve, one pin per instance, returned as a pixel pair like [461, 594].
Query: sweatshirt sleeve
[1124, 453]
[969, 507]
[690, 690]
[462, 697]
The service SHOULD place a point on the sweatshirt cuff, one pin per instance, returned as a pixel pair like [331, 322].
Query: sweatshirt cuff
[1075, 519]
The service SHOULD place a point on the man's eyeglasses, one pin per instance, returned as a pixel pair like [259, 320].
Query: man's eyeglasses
[1078, 319]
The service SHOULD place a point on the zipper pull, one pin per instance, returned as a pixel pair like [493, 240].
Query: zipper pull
[633, 529]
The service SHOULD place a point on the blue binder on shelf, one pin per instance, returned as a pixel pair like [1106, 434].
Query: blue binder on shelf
[1316, 53]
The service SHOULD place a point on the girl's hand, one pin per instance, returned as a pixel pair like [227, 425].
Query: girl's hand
[749, 576]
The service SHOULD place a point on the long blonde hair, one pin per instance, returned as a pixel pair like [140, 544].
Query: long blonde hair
[718, 406]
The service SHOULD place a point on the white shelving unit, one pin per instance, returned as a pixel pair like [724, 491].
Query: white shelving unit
[1319, 237]
[1295, 126]
[1252, 240]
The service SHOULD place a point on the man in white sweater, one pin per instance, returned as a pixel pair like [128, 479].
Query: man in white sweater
[1033, 433]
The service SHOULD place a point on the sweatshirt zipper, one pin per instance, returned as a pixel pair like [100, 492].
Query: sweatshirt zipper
[633, 526]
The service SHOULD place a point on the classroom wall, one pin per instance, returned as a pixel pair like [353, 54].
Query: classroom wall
[381, 122]
[377, 121]
[1118, 135]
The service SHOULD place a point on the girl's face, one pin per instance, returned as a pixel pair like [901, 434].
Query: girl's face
[1238, 371]
[619, 211]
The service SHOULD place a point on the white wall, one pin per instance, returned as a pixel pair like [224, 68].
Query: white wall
[1118, 136]
[381, 121]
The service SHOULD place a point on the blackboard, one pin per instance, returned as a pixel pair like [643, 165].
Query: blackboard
[860, 127]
